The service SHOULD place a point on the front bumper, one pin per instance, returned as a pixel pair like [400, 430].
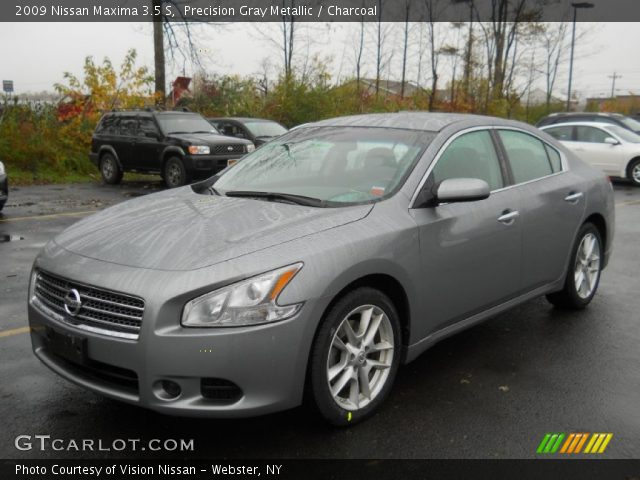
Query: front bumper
[267, 363]
[209, 164]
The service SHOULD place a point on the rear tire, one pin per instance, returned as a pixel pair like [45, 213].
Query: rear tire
[583, 275]
[355, 357]
[633, 172]
[110, 170]
[174, 174]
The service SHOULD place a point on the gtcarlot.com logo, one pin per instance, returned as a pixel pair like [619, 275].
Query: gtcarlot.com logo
[573, 443]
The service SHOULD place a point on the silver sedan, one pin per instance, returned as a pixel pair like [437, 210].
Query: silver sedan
[326, 259]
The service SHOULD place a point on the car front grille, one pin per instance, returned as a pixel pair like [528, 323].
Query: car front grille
[102, 311]
[220, 149]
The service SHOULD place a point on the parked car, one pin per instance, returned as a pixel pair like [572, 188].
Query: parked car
[180, 146]
[612, 149]
[612, 118]
[4, 186]
[258, 130]
[325, 259]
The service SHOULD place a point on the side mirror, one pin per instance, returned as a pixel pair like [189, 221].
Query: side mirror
[154, 135]
[240, 135]
[611, 141]
[455, 190]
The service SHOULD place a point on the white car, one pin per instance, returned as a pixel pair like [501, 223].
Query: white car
[612, 149]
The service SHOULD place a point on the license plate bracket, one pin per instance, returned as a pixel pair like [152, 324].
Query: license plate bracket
[69, 347]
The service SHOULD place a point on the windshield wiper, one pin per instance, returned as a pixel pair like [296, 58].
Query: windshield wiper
[288, 197]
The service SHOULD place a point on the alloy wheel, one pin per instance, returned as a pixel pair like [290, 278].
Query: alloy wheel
[635, 174]
[360, 357]
[587, 266]
[108, 168]
[174, 175]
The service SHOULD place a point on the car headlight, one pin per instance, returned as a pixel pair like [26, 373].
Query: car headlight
[2, 170]
[251, 148]
[199, 150]
[249, 302]
[32, 284]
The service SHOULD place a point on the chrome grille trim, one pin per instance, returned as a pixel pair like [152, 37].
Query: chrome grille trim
[102, 311]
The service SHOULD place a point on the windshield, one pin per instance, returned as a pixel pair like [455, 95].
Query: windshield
[335, 165]
[181, 123]
[623, 133]
[265, 129]
[631, 123]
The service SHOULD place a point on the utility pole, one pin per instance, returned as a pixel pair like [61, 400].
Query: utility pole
[575, 6]
[614, 77]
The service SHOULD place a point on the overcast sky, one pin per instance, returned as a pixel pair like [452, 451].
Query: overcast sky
[35, 55]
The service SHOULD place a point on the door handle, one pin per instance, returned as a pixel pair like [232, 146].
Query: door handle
[508, 216]
[573, 197]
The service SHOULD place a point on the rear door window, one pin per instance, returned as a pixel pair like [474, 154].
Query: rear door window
[590, 134]
[128, 126]
[527, 156]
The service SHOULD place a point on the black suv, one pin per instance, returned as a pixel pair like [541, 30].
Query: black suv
[180, 146]
[614, 118]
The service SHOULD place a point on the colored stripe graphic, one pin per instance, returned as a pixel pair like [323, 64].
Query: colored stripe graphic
[550, 443]
[598, 443]
[573, 443]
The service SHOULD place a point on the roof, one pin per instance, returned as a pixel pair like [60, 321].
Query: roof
[584, 123]
[241, 119]
[585, 114]
[424, 121]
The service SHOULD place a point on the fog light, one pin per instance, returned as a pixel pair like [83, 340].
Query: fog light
[166, 389]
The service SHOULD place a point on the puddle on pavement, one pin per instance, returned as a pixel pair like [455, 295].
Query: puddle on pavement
[133, 194]
[10, 238]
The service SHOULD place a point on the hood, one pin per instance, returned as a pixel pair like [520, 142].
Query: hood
[182, 230]
[208, 139]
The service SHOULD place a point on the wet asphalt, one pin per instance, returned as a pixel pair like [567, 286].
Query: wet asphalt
[490, 392]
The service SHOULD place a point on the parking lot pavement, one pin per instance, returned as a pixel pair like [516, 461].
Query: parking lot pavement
[490, 392]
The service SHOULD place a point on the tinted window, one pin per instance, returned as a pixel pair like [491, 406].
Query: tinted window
[554, 158]
[590, 134]
[147, 125]
[471, 155]
[560, 133]
[108, 125]
[527, 156]
[128, 126]
[265, 129]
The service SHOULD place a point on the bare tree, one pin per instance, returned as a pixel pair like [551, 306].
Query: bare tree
[407, 9]
[433, 10]
[554, 41]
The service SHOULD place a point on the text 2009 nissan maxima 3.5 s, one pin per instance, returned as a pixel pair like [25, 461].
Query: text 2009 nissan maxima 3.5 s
[325, 260]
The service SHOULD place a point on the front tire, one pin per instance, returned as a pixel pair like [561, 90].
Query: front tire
[633, 172]
[110, 170]
[355, 356]
[585, 267]
[174, 173]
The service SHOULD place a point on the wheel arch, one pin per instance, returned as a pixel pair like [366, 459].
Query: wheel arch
[627, 168]
[391, 287]
[167, 153]
[599, 222]
[109, 149]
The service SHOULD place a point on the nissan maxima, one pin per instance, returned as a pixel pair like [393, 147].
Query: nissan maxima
[319, 264]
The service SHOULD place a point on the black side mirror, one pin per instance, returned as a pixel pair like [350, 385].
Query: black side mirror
[154, 135]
